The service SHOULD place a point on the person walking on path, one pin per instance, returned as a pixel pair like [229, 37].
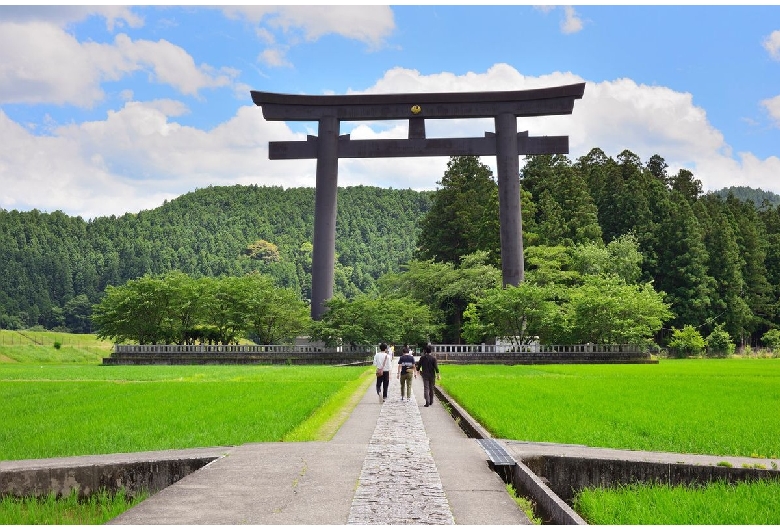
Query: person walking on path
[406, 372]
[429, 369]
[382, 362]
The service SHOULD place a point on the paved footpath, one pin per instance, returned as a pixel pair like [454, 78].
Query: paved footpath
[395, 463]
[399, 482]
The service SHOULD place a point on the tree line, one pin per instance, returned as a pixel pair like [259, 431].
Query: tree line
[597, 225]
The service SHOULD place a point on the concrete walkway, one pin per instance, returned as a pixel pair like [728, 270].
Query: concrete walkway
[391, 463]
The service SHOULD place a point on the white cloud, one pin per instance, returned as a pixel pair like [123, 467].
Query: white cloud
[39, 62]
[623, 115]
[171, 65]
[274, 57]
[140, 155]
[42, 63]
[772, 106]
[265, 36]
[772, 45]
[62, 15]
[571, 22]
[136, 158]
[370, 24]
[51, 173]
[544, 8]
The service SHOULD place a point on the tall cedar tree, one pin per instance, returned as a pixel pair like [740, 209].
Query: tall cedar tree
[751, 238]
[464, 214]
[565, 211]
[770, 220]
[724, 265]
[683, 271]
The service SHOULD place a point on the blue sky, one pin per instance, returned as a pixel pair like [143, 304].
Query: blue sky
[107, 110]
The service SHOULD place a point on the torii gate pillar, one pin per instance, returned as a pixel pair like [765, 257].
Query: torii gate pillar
[324, 243]
[509, 214]
[506, 144]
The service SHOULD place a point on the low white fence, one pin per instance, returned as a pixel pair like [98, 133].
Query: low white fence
[437, 348]
[536, 348]
[232, 348]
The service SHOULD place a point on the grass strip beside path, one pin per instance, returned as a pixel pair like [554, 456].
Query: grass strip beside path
[327, 420]
[717, 407]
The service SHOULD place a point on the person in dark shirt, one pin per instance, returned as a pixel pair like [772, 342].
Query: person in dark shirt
[429, 369]
[406, 373]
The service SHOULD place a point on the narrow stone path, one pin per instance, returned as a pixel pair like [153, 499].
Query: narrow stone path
[399, 482]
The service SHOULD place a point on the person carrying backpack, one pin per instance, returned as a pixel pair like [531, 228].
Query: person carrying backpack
[406, 373]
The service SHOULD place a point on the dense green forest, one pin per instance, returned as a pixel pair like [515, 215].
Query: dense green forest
[715, 256]
[54, 267]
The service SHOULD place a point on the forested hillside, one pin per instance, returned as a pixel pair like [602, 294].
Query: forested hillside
[756, 196]
[54, 267]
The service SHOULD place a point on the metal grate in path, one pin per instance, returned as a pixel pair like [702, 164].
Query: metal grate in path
[496, 452]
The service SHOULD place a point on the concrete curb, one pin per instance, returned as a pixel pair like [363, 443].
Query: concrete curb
[547, 502]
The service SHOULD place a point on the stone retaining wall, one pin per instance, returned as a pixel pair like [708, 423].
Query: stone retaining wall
[87, 479]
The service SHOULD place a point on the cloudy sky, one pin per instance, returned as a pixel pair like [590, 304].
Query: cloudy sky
[107, 110]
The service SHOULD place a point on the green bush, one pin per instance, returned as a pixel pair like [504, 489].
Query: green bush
[771, 339]
[686, 342]
[719, 343]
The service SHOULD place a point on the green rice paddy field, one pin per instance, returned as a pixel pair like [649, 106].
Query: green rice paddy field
[717, 503]
[720, 407]
[75, 409]
[717, 407]
[61, 402]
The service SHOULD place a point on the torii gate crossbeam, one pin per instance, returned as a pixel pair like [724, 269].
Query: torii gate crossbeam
[328, 146]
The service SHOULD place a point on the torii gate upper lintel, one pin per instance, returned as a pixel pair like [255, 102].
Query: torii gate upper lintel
[328, 146]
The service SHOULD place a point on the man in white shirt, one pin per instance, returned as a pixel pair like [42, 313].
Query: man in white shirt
[382, 361]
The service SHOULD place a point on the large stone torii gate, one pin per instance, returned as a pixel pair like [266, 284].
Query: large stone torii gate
[506, 144]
